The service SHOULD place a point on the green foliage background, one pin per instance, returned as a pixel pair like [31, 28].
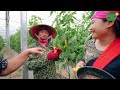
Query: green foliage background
[72, 34]
[1, 43]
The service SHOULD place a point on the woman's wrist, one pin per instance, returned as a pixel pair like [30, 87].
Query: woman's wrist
[27, 51]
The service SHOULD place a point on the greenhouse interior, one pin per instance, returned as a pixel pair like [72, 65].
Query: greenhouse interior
[72, 33]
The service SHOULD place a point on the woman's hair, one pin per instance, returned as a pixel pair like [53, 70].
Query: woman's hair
[43, 28]
[116, 26]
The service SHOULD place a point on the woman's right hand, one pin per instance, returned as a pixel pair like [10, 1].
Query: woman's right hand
[80, 64]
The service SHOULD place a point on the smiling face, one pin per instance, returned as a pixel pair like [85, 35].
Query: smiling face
[98, 28]
[43, 34]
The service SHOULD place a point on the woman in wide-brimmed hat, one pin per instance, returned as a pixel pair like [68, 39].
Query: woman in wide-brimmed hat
[103, 51]
[43, 66]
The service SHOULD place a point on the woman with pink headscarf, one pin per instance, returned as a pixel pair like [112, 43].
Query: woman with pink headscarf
[103, 51]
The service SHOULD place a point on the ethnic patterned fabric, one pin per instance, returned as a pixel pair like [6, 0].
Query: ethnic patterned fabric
[3, 63]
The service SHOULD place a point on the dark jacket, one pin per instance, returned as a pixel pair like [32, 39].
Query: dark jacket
[113, 68]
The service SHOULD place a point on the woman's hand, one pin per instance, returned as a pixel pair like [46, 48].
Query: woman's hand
[35, 50]
[80, 64]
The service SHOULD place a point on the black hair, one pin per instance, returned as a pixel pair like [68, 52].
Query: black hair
[116, 26]
[43, 28]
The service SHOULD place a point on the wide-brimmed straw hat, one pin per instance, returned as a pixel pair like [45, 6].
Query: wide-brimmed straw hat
[33, 30]
[89, 72]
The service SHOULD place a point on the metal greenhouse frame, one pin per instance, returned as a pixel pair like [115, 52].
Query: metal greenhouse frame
[23, 30]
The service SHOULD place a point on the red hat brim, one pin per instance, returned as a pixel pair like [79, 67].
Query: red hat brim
[33, 29]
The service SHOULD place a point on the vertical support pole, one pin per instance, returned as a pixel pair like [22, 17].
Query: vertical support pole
[24, 39]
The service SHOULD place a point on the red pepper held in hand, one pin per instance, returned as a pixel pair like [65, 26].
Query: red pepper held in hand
[54, 54]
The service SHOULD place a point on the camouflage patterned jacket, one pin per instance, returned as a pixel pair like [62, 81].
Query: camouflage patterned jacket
[91, 51]
[41, 66]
